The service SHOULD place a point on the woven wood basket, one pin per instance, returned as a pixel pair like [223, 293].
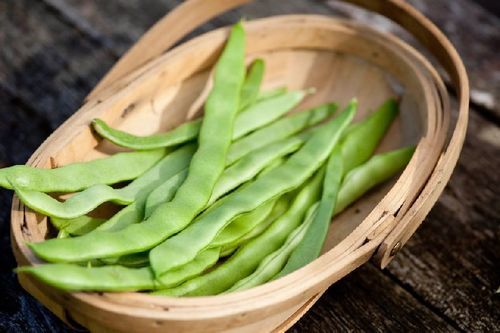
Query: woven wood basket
[151, 90]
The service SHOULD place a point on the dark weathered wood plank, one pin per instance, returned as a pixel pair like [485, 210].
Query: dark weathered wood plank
[367, 301]
[47, 63]
[452, 260]
[472, 30]
[469, 26]
[21, 131]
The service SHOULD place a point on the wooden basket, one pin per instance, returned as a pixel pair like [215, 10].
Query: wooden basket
[149, 91]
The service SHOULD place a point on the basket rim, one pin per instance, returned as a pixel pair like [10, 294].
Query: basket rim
[254, 294]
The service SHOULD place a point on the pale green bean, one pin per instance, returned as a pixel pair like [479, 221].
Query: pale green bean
[184, 246]
[79, 176]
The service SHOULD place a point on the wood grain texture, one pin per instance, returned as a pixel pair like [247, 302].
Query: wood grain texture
[446, 272]
[462, 232]
[471, 29]
[48, 64]
[367, 301]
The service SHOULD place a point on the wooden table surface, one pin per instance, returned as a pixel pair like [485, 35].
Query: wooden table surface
[52, 52]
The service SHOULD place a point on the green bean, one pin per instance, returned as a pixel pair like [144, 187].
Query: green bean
[376, 170]
[117, 278]
[266, 111]
[137, 211]
[205, 168]
[253, 229]
[185, 132]
[360, 141]
[184, 246]
[248, 166]
[226, 252]
[77, 226]
[106, 278]
[85, 201]
[242, 225]
[272, 93]
[63, 234]
[78, 176]
[201, 263]
[254, 116]
[279, 130]
[275, 261]
[133, 213]
[363, 137]
[164, 193]
[247, 121]
[140, 259]
[247, 258]
[251, 86]
[312, 243]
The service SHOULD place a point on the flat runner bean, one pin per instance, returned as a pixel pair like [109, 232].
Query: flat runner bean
[206, 167]
[183, 133]
[250, 165]
[201, 263]
[280, 207]
[272, 93]
[247, 258]
[363, 138]
[251, 86]
[376, 170]
[275, 261]
[254, 116]
[311, 244]
[278, 130]
[184, 246]
[106, 278]
[87, 200]
[266, 111]
[79, 176]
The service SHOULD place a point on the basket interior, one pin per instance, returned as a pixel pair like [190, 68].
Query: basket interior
[336, 77]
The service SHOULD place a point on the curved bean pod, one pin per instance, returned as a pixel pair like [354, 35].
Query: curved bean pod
[136, 212]
[78, 176]
[184, 132]
[133, 213]
[248, 257]
[271, 93]
[312, 243]
[85, 201]
[248, 120]
[78, 226]
[280, 207]
[134, 260]
[376, 170]
[266, 111]
[242, 225]
[106, 278]
[275, 261]
[206, 167]
[251, 86]
[279, 130]
[358, 144]
[184, 246]
[250, 165]
[201, 263]
[362, 138]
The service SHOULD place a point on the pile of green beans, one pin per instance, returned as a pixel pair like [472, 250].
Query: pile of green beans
[240, 196]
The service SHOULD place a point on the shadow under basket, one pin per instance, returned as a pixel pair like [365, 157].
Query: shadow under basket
[150, 90]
